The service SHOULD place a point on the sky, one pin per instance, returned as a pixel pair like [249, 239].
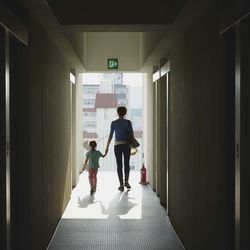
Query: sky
[132, 79]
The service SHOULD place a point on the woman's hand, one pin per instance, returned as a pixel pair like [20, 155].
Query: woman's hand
[106, 150]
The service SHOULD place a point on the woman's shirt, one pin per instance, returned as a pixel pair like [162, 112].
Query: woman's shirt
[93, 156]
[121, 127]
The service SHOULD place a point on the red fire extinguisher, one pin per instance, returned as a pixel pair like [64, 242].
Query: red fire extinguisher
[143, 175]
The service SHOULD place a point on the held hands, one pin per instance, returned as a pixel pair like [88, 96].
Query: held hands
[106, 151]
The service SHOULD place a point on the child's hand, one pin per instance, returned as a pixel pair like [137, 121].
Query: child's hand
[84, 166]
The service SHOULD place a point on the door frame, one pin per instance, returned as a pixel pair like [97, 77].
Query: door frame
[162, 73]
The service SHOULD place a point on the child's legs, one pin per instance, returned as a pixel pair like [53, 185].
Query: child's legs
[92, 177]
[95, 177]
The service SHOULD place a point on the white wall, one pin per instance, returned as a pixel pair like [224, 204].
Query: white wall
[103, 45]
[148, 124]
[105, 116]
[78, 154]
[106, 86]
[131, 48]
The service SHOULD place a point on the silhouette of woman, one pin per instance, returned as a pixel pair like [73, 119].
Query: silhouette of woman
[121, 127]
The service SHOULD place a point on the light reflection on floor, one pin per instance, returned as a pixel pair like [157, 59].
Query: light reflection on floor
[107, 202]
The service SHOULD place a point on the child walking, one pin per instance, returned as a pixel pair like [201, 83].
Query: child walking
[92, 159]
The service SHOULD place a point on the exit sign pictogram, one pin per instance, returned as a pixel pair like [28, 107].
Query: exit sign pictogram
[112, 63]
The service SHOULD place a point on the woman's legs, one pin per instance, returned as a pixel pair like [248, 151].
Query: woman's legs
[118, 156]
[125, 151]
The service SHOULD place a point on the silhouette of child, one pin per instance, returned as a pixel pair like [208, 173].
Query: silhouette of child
[92, 164]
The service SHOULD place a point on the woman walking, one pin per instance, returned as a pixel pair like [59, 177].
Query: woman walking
[121, 127]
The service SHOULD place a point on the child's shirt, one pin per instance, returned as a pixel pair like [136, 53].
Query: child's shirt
[93, 156]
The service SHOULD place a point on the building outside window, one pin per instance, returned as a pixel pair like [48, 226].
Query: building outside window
[100, 101]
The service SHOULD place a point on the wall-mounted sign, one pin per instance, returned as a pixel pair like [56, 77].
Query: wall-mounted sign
[112, 63]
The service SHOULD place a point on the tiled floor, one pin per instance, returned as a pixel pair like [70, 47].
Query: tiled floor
[114, 220]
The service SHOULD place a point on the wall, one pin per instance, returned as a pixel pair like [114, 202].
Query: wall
[102, 130]
[77, 128]
[50, 169]
[131, 48]
[103, 45]
[79, 124]
[148, 125]
[148, 41]
[76, 40]
[202, 137]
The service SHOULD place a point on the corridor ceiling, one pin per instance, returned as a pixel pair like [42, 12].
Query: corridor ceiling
[111, 12]
[78, 26]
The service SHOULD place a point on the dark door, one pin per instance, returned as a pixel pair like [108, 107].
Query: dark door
[2, 142]
[14, 163]
[19, 143]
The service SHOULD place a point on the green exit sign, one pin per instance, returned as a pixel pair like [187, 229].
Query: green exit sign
[112, 63]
